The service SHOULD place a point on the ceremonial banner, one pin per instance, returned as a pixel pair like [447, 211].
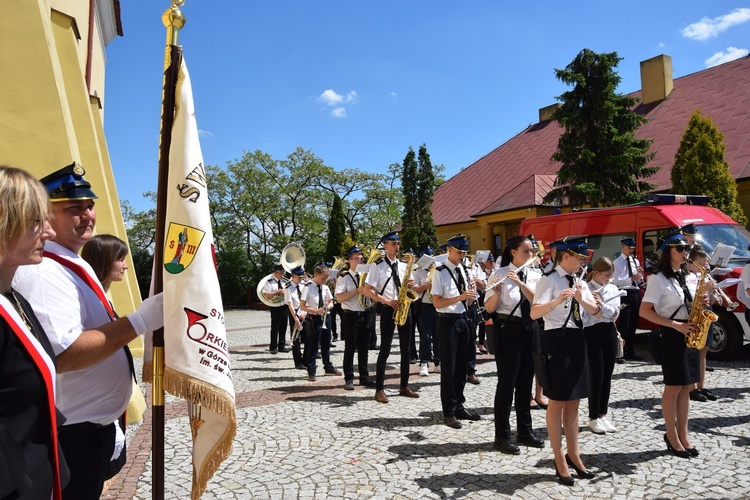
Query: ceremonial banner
[196, 352]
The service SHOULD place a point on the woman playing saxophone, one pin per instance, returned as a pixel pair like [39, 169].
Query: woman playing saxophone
[667, 303]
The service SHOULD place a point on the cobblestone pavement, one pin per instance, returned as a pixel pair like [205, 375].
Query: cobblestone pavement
[316, 440]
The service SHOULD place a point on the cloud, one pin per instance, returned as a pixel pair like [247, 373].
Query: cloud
[394, 95]
[338, 112]
[720, 57]
[707, 28]
[205, 133]
[331, 98]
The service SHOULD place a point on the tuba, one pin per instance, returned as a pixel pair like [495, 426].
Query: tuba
[293, 255]
[364, 301]
[338, 264]
[698, 314]
[405, 295]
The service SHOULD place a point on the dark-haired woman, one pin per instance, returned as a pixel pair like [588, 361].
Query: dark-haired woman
[560, 299]
[669, 293]
[601, 344]
[516, 337]
[106, 255]
[30, 459]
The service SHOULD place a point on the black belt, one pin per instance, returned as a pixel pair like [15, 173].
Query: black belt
[505, 317]
[82, 427]
[346, 312]
[451, 315]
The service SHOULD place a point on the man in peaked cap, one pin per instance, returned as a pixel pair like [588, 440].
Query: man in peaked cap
[452, 293]
[272, 290]
[94, 365]
[383, 285]
[292, 297]
[355, 321]
[690, 232]
[628, 276]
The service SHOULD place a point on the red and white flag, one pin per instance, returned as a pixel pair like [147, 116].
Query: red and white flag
[196, 352]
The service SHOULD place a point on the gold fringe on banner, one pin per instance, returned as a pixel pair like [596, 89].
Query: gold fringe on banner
[217, 400]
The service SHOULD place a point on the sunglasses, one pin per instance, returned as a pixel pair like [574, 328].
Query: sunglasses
[680, 248]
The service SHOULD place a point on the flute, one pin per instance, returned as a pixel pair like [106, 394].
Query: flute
[531, 262]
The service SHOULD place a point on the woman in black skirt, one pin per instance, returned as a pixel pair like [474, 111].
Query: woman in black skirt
[560, 298]
[516, 337]
[667, 301]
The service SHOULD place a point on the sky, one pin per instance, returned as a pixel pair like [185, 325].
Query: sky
[358, 83]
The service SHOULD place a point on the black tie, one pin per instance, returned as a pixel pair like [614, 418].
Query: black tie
[320, 296]
[461, 282]
[687, 297]
[299, 293]
[576, 307]
[525, 305]
[394, 273]
[630, 270]
[278, 282]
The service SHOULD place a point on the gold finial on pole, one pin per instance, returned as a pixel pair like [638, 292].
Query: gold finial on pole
[173, 20]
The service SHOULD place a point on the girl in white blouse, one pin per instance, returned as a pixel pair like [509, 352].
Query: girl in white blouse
[601, 344]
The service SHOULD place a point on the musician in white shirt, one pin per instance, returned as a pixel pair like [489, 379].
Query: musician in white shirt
[317, 302]
[559, 298]
[601, 344]
[292, 298]
[629, 274]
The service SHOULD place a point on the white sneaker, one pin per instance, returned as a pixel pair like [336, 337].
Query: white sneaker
[596, 426]
[424, 370]
[607, 424]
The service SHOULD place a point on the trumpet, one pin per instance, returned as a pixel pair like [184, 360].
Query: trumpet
[531, 262]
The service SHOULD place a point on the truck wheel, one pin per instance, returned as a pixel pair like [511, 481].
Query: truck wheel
[727, 336]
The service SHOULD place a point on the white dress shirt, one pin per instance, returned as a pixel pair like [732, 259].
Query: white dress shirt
[610, 305]
[66, 307]
[510, 293]
[381, 277]
[349, 281]
[666, 294]
[549, 288]
[310, 295]
[446, 287]
[621, 277]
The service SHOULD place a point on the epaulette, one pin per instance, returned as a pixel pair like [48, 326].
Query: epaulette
[441, 267]
[272, 280]
[548, 272]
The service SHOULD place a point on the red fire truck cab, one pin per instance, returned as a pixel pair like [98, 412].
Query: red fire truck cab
[646, 222]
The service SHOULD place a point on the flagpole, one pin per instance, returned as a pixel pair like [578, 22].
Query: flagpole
[173, 21]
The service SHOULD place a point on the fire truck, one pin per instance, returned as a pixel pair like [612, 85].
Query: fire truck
[646, 222]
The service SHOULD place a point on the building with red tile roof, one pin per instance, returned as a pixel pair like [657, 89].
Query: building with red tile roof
[515, 177]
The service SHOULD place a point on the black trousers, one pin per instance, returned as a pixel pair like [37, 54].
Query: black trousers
[279, 317]
[296, 345]
[454, 333]
[515, 373]
[629, 320]
[315, 335]
[387, 328]
[471, 364]
[87, 451]
[354, 329]
[601, 344]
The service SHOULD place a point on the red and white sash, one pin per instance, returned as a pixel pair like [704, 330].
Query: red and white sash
[92, 282]
[46, 369]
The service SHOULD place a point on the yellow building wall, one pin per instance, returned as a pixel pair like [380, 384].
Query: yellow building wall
[48, 117]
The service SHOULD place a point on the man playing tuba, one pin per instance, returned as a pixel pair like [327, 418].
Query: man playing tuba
[273, 290]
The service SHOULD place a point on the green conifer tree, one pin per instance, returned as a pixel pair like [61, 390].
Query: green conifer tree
[410, 215]
[336, 229]
[427, 234]
[700, 168]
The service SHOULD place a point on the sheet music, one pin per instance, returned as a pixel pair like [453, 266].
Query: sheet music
[721, 255]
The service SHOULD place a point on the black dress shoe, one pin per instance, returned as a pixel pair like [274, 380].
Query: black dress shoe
[620, 361]
[709, 395]
[677, 453]
[697, 395]
[367, 382]
[633, 357]
[565, 480]
[506, 446]
[692, 451]
[530, 440]
[467, 414]
[580, 472]
[452, 422]
[283, 349]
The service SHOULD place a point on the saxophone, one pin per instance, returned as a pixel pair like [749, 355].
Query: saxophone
[698, 314]
[405, 295]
